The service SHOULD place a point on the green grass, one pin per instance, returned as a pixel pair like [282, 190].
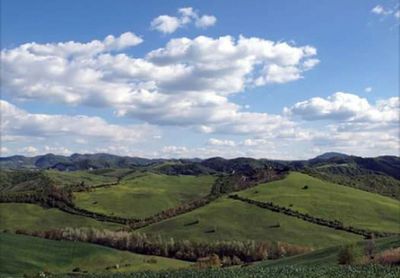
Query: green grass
[76, 177]
[33, 217]
[21, 254]
[329, 256]
[235, 220]
[143, 195]
[369, 271]
[331, 201]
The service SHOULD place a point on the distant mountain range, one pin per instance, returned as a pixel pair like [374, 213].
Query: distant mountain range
[103, 160]
[390, 165]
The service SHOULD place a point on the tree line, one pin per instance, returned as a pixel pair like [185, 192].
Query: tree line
[230, 252]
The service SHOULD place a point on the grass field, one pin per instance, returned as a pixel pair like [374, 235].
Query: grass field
[235, 220]
[329, 256]
[33, 217]
[145, 195]
[76, 177]
[369, 271]
[21, 254]
[331, 201]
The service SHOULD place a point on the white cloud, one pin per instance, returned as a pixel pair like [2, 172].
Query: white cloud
[378, 9]
[218, 142]
[174, 151]
[310, 63]
[206, 21]
[346, 107]
[385, 11]
[16, 122]
[57, 150]
[3, 151]
[185, 83]
[169, 24]
[166, 24]
[29, 150]
[368, 89]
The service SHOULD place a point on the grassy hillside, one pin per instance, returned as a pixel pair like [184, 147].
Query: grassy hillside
[76, 177]
[33, 217]
[227, 219]
[329, 256]
[145, 195]
[350, 174]
[331, 201]
[21, 254]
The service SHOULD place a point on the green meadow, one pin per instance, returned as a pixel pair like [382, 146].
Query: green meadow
[330, 201]
[139, 196]
[21, 254]
[34, 217]
[76, 177]
[227, 219]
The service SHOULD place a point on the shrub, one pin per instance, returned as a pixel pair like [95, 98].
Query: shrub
[152, 261]
[369, 248]
[76, 269]
[388, 257]
[348, 255]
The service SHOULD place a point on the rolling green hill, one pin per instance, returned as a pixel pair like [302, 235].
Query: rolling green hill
[226, 219]
[330, 201]
[145, 195]
[329, 256]
[73, 178]
[21, 254]
[33, 217]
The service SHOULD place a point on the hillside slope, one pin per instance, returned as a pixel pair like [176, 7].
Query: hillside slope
[33, 217]
[20, 254]
[226, 219]
[330, 201]
[145, 195]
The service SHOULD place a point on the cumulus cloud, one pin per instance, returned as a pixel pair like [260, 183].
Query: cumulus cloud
[16, 122]
[166, 24]
[346, 107]
[205, 21]
[185, 83]
[169, 24]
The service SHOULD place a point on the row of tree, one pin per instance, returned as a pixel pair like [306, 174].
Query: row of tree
[316, 220]
[245, 178]
[233, 252]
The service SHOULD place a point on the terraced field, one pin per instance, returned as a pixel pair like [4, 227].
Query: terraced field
[144, 195]
[227, 219]
[33, 217]
[331, 201]
[21, 254]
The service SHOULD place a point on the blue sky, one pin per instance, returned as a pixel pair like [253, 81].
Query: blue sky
[265, 95]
